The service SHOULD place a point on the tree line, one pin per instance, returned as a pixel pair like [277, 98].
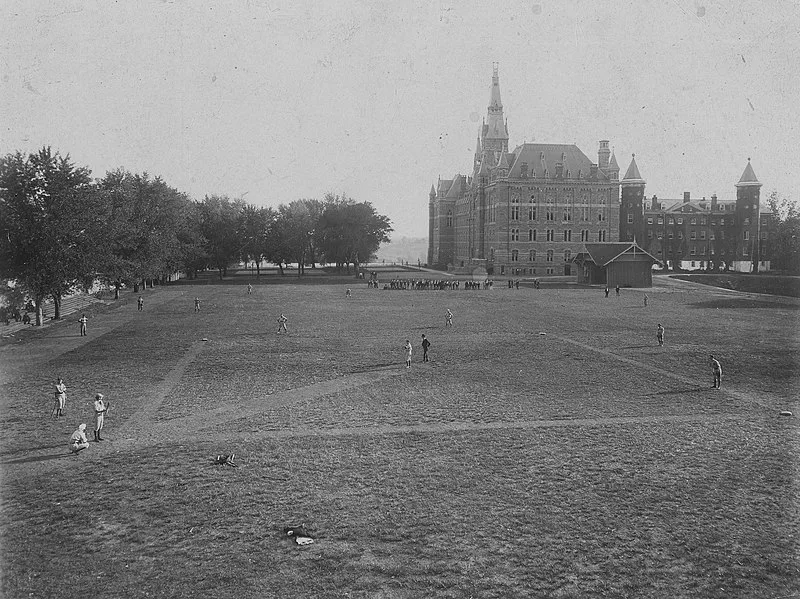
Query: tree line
[62, 229]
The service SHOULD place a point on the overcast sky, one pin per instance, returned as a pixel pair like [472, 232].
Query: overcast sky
[274, 100]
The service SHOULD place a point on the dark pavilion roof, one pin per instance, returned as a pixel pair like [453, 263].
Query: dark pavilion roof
[545, 156]
[603, 254]
[632, 175]
[748, 177]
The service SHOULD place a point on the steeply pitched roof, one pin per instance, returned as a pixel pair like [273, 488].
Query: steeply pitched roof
[632, 174]
[612, 165]
[457, 188]
[545, 156]
[604, 253]
[748, 177]
[444, 185]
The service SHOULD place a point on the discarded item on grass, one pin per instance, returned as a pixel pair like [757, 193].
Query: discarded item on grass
[543, 333]
[204, 339]
[226, 460]
[786, 413]
[300, 534]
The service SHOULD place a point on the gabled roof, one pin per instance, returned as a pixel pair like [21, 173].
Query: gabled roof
[545, 156]
[444, 185]
[612, 165]
[503, 162]
[748, 177]
[603, 254]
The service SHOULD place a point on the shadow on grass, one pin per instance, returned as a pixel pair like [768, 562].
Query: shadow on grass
[639, 347]
[681, 391]
[744, 304]
[41, 458]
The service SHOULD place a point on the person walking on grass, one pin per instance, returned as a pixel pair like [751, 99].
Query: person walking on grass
[408, 348]
[448, 318]
[716, 367]
[249, 289]
[425, 345]
[197, 304]
[61, 398]
[282, 320]
[100, 409]
[607, 291]
[645, 300]
[660, 335]
[617, 290]
[83, 320]
[78, 441]
[140, 303]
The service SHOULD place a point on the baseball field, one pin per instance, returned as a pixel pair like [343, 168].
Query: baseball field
[550, 448]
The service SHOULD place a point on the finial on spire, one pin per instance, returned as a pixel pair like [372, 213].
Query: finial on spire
[633, 155]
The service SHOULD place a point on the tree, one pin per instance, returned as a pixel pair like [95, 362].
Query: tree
[219, 224]
[254, 226]
[783, 243]
[350, 232]
[53, 221]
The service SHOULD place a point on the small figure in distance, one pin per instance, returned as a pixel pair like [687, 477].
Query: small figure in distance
[408, 349]
[100, 409]
[140, 303]
[83, 320]
[26, 319]
[249, 289]
[425, 345]
[660, 334]
[645, 300]
[717, 368]
[448, 318]
[77, 441]
[607, 291]
[197, 304]
[282, 320]
[61, 398]
[348, 293]
[617, 290]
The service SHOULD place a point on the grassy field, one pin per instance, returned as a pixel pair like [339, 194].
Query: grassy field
[549, 449]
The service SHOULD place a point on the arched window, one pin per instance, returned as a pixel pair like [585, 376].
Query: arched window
[531, 235]
[532, 256]
[514, 234]
[515, 255]
[449, 218]
[549, 255]
[515, 208]
[567, 255]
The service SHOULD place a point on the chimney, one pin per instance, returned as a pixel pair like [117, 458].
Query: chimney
[686, 197]
[603, 154]
[713, 202]
[523, 170]
[593, 171]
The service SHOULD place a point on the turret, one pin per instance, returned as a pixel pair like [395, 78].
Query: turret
[748, 192]
[494, 131]
[603, 154]
[631, 214]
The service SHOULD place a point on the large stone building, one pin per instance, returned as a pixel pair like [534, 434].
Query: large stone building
[526, 211]
[692, 234]
[531, 210]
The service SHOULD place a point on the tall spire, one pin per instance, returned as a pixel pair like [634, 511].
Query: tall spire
[495, 133]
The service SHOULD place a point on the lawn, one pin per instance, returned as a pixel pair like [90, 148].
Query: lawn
[549, 449]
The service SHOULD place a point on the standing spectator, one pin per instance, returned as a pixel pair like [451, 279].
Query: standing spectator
[197, 304]
[645, 300]
[61, 398]
[408, 349]
[607, 291]
[77, 441]
[448, 318]
[717, 368]
[348, 293]
[83, 320]
[140, 303]
[617, 289]
[100, 409]
[282, 320]
[249, 289]
[425, 345]
[660, 334]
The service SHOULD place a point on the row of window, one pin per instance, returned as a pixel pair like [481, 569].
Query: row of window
[692, 221]
[550, 235]
[693, 235]
[550, 255]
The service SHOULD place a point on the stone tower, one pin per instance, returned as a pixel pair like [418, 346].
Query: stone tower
[748, 192]
[631, 214]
